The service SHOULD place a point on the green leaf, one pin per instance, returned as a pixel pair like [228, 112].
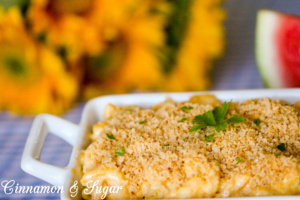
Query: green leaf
[206, 118]
[281, 147]
[142, 122]
[235, 119]
[186, 108]
[257, 121]
[166, 145]
[120, 152]
[25, 5]
[221, 127]
[209, 138]
[198, 119]
[182, 120]
[238, 160]
[220, 113]
[215, 119]
[112, 137]
[197, 127]
[175, 32]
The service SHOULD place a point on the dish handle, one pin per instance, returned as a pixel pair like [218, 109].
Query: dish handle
[41, 127]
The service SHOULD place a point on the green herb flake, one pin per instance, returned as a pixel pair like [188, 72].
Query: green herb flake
[235, 119]
[281, 147]
[197, 127]
[182, 120]
[186, 108]
[238, 160]
[112, 137]
[278, 155]
[215, 119]
[257, 121]
[166, 145]
[209, 138]
[120, 152]
[142, 122]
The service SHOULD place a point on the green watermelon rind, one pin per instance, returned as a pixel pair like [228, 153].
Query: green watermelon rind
[267, 59]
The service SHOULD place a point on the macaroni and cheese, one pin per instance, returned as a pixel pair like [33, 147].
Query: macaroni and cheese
[152, 153]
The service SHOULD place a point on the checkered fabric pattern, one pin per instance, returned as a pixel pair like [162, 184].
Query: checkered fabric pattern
[14, 131]
[237, 70]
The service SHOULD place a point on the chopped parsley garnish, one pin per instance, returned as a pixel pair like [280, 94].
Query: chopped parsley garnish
[281, 147]
[166, 145]
[257, 121]
[209, 138]
[238, 160]
[186, 108]
[278, 155]
[215, 119]
[120, 152]
[112, 137]
[142, 122]
[182, 120]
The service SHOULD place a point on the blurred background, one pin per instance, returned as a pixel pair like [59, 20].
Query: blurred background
[237, 68]
[56, 54]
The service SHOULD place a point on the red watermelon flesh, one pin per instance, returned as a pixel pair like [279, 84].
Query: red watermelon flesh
[278, 49]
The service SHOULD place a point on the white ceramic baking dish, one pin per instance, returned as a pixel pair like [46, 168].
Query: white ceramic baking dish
[76, 134]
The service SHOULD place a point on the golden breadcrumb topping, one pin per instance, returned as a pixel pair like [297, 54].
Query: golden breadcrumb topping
[161, 158]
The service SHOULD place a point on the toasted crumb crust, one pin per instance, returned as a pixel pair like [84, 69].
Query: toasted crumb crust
[161, 151]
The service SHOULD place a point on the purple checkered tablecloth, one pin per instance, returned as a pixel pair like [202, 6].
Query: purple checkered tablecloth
[236, 70]
[13, 134]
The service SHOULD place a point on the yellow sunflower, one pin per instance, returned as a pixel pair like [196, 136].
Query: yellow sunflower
[65, 24]
[133, 32]
[32, 78]
[156, 45]
[126, 45]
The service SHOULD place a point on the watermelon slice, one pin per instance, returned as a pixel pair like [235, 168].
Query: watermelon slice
[278, 49]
